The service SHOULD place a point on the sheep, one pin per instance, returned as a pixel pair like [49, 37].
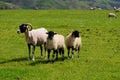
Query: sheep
[95, 8]
[92, 8]
[116, 9]
[74, 42]
[56, 43]
[34, 37]
[99, 8]
[112, 15]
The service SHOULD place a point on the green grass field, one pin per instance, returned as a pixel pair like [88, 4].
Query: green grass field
[100, 53]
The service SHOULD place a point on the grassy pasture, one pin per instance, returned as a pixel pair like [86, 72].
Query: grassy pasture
[100, 53]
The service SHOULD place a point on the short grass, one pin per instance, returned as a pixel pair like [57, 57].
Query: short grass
[100, 53]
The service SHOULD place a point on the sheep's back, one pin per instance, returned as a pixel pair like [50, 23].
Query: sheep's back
[73, 42]
[69, 40]
[37, 36]
[77, 43]
[112, 15]
[59, 41]
[41, 35]
[56, 43]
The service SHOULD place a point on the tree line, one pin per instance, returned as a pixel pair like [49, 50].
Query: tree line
[58, 4]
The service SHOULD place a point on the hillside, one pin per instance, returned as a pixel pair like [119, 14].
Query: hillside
[5, 5]
[62, 4]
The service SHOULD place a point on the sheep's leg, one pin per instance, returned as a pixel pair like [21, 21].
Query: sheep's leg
[44, 51]
[33, 56]
[78, 52]
[49, 54]
[41, 50]
[53, 55]
[29, 51]
[68, 48]
[72, 53]
[60, 51]
[62, 54]
[56, 54]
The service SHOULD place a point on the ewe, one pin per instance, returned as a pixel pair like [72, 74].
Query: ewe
[73, 41]
[55, 42]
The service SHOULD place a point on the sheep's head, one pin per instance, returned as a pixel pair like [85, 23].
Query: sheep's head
[24, 28]
[75, 33]
[51, 34]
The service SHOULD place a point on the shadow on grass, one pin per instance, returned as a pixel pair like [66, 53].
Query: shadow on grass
[46, 61]
[33, 63]
[14, 60]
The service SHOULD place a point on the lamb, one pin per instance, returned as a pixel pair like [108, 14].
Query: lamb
[56, 43]
[74, 42]
[35, 37]
[112, 15]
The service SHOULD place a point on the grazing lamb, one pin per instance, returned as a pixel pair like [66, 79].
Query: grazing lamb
[34, 37]
[112, 15]
[73, 40]
[55, 42]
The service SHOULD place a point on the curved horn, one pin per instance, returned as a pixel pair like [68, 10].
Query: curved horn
[30, 25]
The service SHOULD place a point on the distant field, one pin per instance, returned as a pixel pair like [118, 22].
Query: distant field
[100, 53]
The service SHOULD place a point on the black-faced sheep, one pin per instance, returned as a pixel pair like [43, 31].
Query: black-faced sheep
[56, 43]
[34, 37]
[73, 41]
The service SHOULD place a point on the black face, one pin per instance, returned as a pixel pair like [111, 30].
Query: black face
[50, 35]
[22, 28]
[75, 33]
